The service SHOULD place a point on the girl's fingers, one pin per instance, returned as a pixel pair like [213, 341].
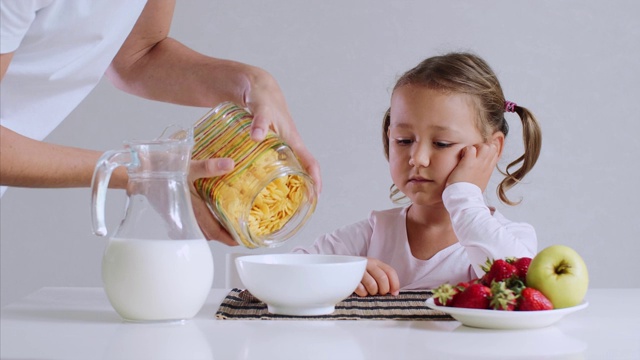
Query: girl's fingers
[379, 278]
[469, 152]
[388, 281]
[476, 165]
[369, 283]
[361, 290]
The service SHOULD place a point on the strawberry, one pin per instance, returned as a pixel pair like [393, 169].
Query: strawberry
[464, 284]
[497, 270]
[475, 296]
[474, 281]
[532, 300]
[522, 266]
[445, 294]
[502, 297]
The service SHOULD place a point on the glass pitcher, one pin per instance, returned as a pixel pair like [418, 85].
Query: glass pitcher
[157, 265]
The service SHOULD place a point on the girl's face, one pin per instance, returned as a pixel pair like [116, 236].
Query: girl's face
[427, 133]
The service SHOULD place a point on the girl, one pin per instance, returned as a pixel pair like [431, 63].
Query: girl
[443, 135]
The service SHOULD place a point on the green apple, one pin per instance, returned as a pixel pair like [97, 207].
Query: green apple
[560, 274]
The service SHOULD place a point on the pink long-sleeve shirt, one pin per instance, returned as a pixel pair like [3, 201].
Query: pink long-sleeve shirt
[482, 232]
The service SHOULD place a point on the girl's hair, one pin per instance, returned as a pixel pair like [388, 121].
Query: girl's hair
[469, 74]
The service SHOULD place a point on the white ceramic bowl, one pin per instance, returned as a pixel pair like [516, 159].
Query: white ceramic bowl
[301, 284]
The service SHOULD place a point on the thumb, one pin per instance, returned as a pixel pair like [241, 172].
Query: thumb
[259, 127]
[210, 167]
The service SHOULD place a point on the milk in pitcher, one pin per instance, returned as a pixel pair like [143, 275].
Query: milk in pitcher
[149, 280]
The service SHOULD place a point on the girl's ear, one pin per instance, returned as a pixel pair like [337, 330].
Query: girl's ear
[498, 139]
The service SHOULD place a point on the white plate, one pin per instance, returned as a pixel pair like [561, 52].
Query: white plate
[499, 319]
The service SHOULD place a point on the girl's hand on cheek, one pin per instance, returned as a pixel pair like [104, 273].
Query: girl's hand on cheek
[476, 165]
[378, 279]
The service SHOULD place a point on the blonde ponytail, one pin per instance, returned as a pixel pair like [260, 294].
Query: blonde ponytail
[532, 138]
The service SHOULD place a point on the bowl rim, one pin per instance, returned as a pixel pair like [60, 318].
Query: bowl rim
[264, 259]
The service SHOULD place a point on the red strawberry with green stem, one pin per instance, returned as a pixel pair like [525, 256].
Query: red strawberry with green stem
[502, 297]
[522, 266]
[497, 270]
[533, 300]
[445, 294]
[475, 296]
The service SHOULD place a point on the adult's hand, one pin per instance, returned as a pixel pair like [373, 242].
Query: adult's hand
[266, 102]
[152, 65]
[210, 227]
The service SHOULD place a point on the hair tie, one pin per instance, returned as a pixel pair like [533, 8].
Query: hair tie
[510, 106]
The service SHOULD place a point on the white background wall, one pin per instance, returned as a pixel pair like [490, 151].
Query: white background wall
[573, 63]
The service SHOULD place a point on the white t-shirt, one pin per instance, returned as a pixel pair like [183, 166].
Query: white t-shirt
[61, 51]
[481, 233]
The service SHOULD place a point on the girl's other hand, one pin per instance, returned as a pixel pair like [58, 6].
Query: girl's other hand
[378, 279]
[476, 165]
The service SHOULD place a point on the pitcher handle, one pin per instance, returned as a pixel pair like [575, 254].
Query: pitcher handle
[108, 162]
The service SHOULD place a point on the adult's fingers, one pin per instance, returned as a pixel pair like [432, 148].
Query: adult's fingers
[264, 119]
[210, 227]
[310, 164]
[259, 126]
[210, 167]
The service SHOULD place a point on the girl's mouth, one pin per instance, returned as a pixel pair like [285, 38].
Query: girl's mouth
[419, 179]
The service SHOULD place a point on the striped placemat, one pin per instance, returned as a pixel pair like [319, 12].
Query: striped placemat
[240, 304]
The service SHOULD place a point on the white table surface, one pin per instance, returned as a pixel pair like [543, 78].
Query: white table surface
[79, 323]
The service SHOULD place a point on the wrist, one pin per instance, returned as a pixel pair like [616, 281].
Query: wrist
[119, 178]
[258, 81]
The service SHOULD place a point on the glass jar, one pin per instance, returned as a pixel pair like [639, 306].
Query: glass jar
[268, 196]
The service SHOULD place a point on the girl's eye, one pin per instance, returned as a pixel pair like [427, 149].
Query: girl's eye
[442, 144]
[403, 141]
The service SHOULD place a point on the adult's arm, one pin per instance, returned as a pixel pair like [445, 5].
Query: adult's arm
[5, 60]
[29, 163]
[154, 66]
[26, 162]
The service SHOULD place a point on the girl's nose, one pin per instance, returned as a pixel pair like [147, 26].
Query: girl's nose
[419, 157]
